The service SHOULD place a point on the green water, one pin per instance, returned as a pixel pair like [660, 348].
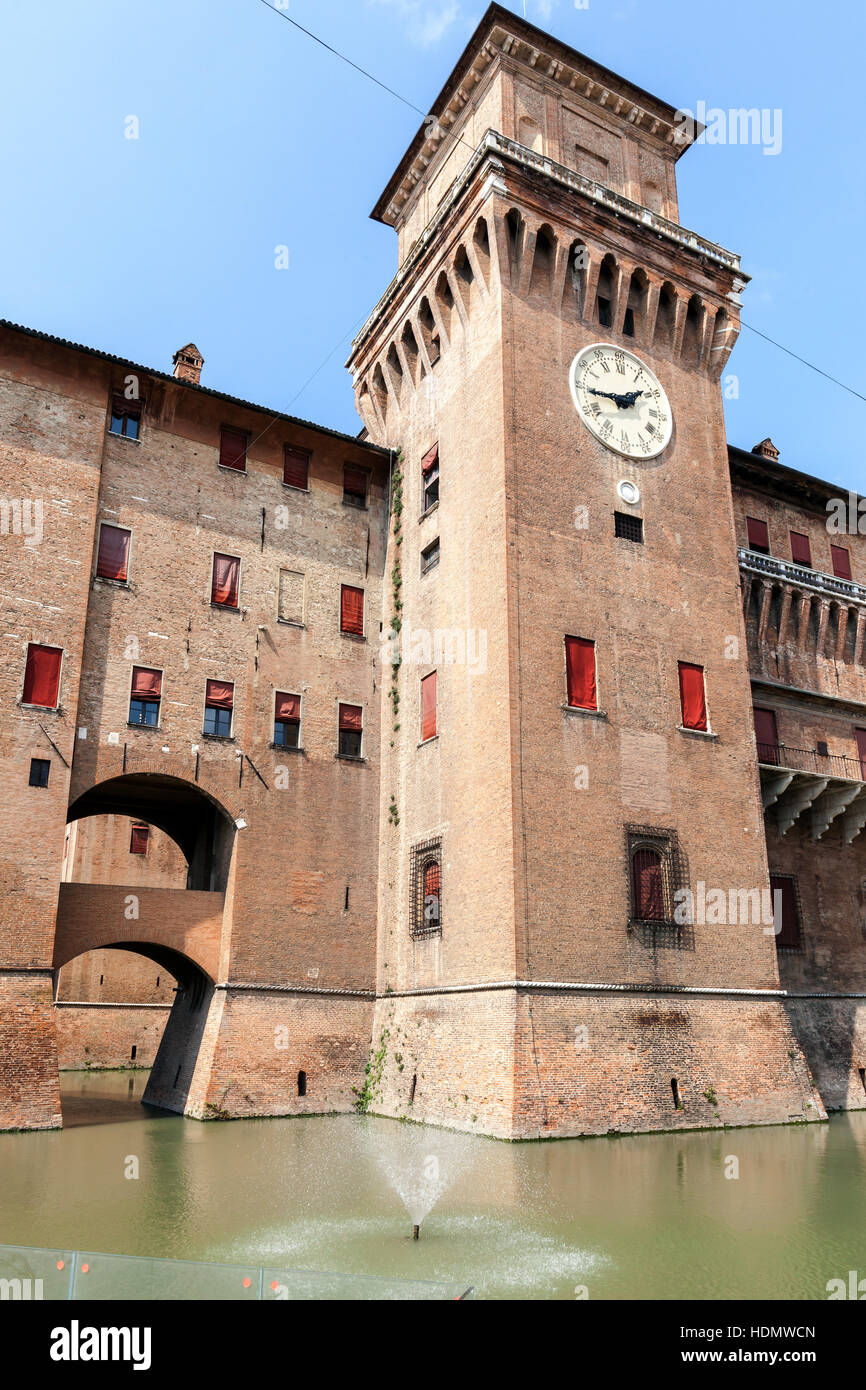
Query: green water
[625, 1218]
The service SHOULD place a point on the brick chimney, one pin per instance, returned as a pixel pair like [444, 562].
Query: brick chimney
[767, 450]
[188, 363]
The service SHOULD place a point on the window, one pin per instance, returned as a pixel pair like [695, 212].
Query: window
[233, 449]
[296, 467]
[604, 315]
[352, 610]
[290, 607]
[628, 323]
[658, 872]
[125, 417]
[428, 707]
[627, 527]
[351, 730]
[219, 703]
[430, 478]
[225, 579]
[112, 560]
[801, 552]
[759, 535]
[766, 735]
[693, 698]
[138, 838]
[42, 676]
[841, 561]
[145, 696]
[39, 770]
[430, 556]
[788, 930]
[648, 885]
[860, 737]
[580, 673]
[355, 486]
[287, 720]
[426, 888]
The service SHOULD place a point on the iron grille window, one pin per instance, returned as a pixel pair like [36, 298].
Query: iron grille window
[789, 935]
[658, 871]
[39, 769]
[426, 888]
[629, 528]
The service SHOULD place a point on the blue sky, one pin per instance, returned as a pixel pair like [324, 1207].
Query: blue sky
[252, 137]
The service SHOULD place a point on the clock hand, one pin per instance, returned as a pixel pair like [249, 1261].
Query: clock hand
[608, 395]
[624, 401]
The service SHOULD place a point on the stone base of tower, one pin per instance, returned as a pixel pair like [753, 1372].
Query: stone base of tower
[520, 1064]
[832, 1036]
[239, 1053]
[29, 1080]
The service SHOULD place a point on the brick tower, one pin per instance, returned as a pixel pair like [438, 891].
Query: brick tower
[546, 802]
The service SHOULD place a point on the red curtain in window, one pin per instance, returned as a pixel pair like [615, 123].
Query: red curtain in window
[430, 460]
[841, 561]
[355, 481]
[42, 675]
[219, 695]
[146, 683]
[801, 552]
[233, 450]
[287, 708]
[138, 839]
[648, 886]
[790, 933]
[112, 561]
[428, 706]
[296, 467]
[580, 669]
[351, 717]
[121, 406]
[432, 888]
[766, 735]
[759, 535]
[692, 696]
[224, 586]
[352, 610]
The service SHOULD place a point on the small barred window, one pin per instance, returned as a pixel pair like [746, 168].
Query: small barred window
[426, 888]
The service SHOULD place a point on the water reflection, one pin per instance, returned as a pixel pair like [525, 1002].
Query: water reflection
[771, 1213]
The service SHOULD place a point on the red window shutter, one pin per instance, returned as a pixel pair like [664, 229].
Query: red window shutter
[146, 683]
[219, 695]
[759, 535]
[766, 735]
[296, 467]
[428, 706]
[351, 718]
[580, 670]
[352, 610]
[112, 562]
[287, 708]
[138, 839]
[790, 932]
[648, 886]
[42, 675]
[860, 735]
[355, 481]
[224, 584]
[233, 450]
[430, 460]
[841, 561]
[801, 552]
[693, 696]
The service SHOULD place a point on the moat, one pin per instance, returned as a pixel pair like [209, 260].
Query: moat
[623, 1218]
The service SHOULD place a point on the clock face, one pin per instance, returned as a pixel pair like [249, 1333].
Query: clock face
[621, 401]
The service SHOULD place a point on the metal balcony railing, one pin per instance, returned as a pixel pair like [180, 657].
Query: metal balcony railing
[810, 760]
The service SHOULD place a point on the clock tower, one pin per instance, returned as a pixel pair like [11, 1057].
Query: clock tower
[572, 935]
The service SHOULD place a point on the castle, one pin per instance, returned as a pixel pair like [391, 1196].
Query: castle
[445, 771]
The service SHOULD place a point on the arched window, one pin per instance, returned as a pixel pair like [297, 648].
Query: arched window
[432, 886]
[648, 885]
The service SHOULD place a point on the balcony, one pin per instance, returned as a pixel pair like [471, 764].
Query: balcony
[801, 575]
[796, 614]
[799, 782]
